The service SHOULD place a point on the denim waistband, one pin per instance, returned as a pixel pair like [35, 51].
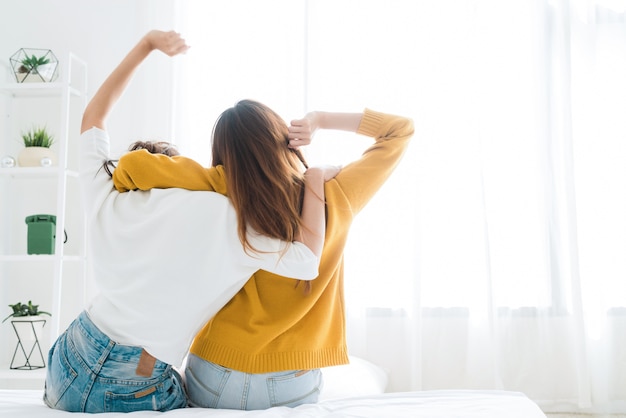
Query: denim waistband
[99, 342]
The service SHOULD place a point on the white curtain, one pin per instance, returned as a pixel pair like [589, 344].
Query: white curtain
[494, 258]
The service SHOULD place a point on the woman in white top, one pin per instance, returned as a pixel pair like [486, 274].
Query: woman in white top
[165, 262]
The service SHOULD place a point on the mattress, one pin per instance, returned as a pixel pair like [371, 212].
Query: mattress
[422, 404]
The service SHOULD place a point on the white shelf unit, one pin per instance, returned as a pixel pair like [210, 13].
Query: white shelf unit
[22, 191]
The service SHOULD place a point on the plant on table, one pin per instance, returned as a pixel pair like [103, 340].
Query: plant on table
[21, 310]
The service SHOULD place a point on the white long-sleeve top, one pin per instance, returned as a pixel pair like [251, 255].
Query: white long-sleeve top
[166, 260]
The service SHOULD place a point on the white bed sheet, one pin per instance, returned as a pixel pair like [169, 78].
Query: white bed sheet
[426, 404]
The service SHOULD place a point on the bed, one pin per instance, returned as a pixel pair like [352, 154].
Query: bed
[427, 404]
[356, 390]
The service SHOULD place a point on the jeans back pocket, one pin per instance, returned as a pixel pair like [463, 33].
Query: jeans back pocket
[295, 388]
[163, 396]
[205, 382]
[59, 376]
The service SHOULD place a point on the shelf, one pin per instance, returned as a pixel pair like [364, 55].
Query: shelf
[67, 98]
[35, 258]
[35, 172]
[37, 89]
[36, 374]
[21, 379]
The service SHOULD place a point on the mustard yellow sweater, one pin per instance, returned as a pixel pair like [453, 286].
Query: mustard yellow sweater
[269, 325]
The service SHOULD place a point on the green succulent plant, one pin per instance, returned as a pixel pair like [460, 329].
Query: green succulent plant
[31, 63]
[37, 137]
[21, 309]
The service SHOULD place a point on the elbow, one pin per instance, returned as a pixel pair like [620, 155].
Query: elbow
[91, 121]
[406, 125]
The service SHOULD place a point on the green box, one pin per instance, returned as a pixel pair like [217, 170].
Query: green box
[41, 234]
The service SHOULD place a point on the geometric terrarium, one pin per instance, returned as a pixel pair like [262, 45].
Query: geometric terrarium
[34, 65]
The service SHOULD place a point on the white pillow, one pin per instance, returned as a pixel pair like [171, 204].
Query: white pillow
[359, 378]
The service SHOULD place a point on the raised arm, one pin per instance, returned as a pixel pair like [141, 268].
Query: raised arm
[312, 233]
[301, 130]
[98, 109]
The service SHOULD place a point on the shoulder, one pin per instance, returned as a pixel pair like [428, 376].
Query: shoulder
[185, 209]
[94, 133]
[95, 143]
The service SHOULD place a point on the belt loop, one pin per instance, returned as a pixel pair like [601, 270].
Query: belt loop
[104, 356]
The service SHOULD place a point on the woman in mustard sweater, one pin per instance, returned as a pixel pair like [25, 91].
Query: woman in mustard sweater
[266, 346]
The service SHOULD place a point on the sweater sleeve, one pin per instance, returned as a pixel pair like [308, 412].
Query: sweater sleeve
[361, 179]
[141, 170]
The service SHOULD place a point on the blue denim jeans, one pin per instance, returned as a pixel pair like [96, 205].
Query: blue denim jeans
[212, 386]
[87, 372]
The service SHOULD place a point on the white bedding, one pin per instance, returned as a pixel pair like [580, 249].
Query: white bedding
[426, 404]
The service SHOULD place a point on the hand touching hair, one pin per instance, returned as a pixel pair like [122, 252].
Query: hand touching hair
[265, 176]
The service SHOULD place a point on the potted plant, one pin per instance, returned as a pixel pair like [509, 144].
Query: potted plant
[37, 152]
[22, 310]
[34, 65]
[31, 64]
[28, 325]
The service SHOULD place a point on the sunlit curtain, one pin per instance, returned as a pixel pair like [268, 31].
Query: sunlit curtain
[495, 257]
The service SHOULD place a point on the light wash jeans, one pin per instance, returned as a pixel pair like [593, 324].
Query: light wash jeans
[87, 372]
[212, 386]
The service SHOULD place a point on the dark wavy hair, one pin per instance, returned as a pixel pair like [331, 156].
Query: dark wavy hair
[154, 147]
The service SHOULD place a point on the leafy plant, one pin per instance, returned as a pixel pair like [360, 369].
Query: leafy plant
[22, 309]
[37, 137]
[31, 63]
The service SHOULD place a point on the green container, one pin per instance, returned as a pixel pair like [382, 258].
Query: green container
[41, 234]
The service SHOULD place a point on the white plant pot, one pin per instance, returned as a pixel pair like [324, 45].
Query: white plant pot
[26, 332]
[33, 156]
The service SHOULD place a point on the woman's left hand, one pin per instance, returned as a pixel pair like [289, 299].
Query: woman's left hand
[301, 130]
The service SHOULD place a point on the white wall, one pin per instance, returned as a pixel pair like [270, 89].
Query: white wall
[100, 33]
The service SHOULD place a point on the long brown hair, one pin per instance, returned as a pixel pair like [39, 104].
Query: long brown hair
[265, 177]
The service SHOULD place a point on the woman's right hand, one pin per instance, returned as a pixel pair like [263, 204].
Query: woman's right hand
[102, 102]
[170, 43]
[301, 130]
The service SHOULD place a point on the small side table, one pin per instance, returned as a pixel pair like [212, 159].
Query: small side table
[28, 349]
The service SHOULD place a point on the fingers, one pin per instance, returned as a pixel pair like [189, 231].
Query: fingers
[175, 44]
[170, 43]
[297, 143]
[300, 127]
[300, 133]
[300, 122]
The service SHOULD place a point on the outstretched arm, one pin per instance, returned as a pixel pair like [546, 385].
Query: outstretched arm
[170, 43]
